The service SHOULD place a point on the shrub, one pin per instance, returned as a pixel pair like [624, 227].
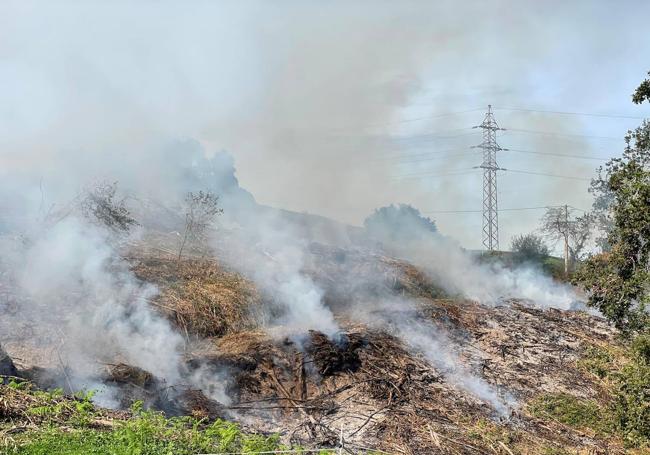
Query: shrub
[398, 223]
[631, 406]
[529, 247]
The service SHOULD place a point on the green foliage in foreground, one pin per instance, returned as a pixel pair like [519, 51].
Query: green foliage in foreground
[631, 407]
[146, 433]
[627, 415]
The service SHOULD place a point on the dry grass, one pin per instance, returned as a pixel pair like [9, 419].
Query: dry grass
[200, 296]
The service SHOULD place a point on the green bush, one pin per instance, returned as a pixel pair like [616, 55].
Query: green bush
[529, 247]
[631, 406]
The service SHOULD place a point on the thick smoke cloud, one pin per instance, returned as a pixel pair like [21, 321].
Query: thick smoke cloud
[301, 92]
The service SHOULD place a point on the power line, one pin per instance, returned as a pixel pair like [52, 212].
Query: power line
[428, 174]
[552, 133]
[467, 171]
[406, 161]
[587, 114]
[500, 210]
[584, 157]
[415, 139]
[547, 175]
[433, 135]
[408, 120]
[427, 117]
[417, 155]
[427, 155]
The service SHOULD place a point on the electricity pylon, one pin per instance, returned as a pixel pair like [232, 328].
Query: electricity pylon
[490, 168]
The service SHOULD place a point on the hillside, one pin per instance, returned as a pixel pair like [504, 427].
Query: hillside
[466, 378]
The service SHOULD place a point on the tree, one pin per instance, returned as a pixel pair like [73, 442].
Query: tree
[600, 188]
[557, 224]
[580, 232]
[201, 208]
[399, 223]
[529, 247]
[642, 93]
[100, 205]
[617, 281]
[601, 210]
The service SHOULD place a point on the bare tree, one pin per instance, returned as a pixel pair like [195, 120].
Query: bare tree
[100, 205]
[558, 223]
[201, 208]
[580, 232]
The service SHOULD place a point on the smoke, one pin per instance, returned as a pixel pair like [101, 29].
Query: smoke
[77, 298]
[301, 92]
[460, 273]
[271, 251]
[71, 275]
[70, 280]
[437, 348]
[405, 233]
[400, 317]
[305, 97]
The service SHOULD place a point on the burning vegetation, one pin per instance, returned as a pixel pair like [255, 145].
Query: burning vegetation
[129, 325]
[366, 381]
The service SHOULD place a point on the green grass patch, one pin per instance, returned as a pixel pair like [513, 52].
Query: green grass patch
[148, 433]
[486, 432]
[596, 361]
[69, 427]
[570, 410]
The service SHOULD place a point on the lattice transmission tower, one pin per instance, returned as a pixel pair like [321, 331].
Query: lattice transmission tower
[490, 168]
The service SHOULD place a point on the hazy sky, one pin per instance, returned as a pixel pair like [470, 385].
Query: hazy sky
[331, 107]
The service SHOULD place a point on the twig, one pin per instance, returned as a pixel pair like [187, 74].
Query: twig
[369, 419]
[434, 437]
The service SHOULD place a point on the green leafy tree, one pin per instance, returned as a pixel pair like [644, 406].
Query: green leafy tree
[399, 223]
[618, 281]
[529, 247]
[642, 93]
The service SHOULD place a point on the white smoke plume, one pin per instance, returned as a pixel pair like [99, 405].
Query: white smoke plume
[70, 279]
[463, 273]
[271, 251]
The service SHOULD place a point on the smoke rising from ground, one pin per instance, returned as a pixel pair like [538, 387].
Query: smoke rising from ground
[460, 273]
[306, 98]
[271, 251]
[70, 272]
[70, 279]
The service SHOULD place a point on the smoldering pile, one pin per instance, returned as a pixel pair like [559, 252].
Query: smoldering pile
[7, 367]
[369, 377]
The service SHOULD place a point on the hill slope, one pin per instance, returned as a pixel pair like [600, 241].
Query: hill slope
[410, 369]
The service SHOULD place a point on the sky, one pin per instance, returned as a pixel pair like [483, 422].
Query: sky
[331, 107]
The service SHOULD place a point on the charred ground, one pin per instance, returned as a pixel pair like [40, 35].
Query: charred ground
[365, 380]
